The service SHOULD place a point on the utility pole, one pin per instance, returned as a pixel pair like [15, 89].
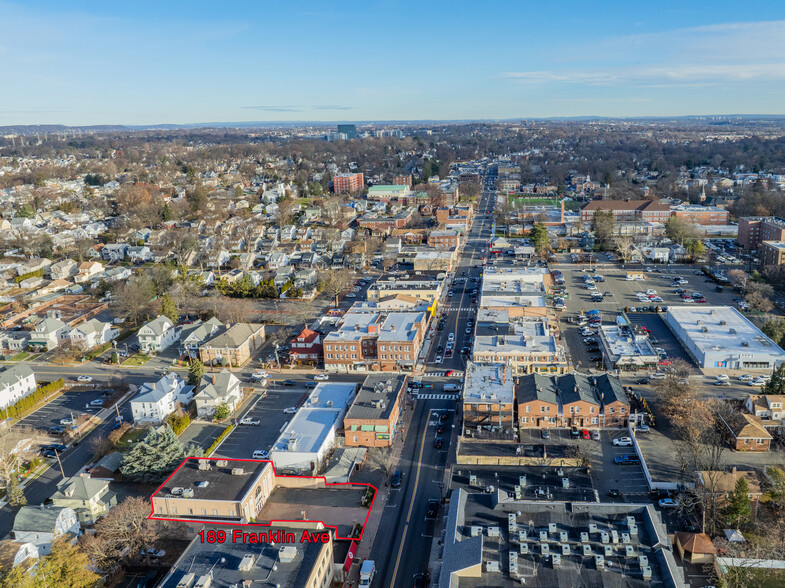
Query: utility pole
[57, 454]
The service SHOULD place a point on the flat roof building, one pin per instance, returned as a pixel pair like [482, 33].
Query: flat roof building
[519, 291]
[488, 399]
[306, 440]
[372, 420]
[721, 337]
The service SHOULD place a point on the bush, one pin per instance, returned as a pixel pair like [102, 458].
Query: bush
[178, 421]
[117, 434]
[221, 412]
[220, 438]
[23, 277]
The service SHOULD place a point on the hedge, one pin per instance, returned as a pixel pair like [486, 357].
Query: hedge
[23, 405]
[23, 277]
[221, 437]
[178, 423]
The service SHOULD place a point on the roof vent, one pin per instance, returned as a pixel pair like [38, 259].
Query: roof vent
[238, 471]
[222, 463]
[204, 464]
[287, 553]
[188, 493]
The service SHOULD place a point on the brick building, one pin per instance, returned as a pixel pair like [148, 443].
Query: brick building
[348, 183]
[234, 346]
[373, 417]
[650, 211]
[447, 239]
[701, 215]
[385, 224]
[402, 180]
[753, 230]
[772, 252]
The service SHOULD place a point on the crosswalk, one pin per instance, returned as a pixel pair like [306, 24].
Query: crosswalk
[459, 308]
[434, 396]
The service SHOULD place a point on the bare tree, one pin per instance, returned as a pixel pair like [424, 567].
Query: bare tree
[333, 282]
[381, 457]
[623, 246]
[758, 296]
[18, 444]
[132, 298]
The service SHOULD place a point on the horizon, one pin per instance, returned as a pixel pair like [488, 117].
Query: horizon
[153, 64]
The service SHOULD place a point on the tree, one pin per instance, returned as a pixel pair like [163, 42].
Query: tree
[695, 248]
[157, 455]
[195, 372]
[603, 225]
[680, 230]
[66, 565]
[333, 282]
[539, 238]
[132, 298]
[168, 309]
[18, 444]
[774, 329]
[162, 278]
[221, 412]
[739, 278]
[776, 384]
[16, 495]
[623, 246]
[776, 478]
[381, 458]
[26, 211]
[758, 296]
[100, 446]
[738, 509]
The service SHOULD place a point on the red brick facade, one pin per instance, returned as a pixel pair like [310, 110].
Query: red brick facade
[348, 183]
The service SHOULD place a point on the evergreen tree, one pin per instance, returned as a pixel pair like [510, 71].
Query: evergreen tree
[221, 412]
[196, 372]
[66, 565]
[776, 385]
[157, 455]
[738, 509]
[16, 495]
[168, 309]
[539, 237]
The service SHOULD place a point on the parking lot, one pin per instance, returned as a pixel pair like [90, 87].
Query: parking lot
[660, 335]
[245, 439]
[70, 404]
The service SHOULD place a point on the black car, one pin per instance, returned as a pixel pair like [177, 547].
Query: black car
[438, 443]
[595, 358]
[439, 348]
[440, 428]
[395, 481]
[311, 384]
[288, 383]
[56, 447]
[57, 430]
[643, 381]
[49, 453]
[433, 508]
[575, 433]
[614, 493]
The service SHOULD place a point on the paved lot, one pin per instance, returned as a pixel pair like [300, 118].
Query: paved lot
[202, 434]
[245, 439]
[660, 334]
[69, 404]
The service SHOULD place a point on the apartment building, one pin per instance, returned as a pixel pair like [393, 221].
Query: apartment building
[488, 400]
[423, 287]
[234, 346]
[348, 183]
[447, 239]
[772, 253]
[402, 180]
[754, 230]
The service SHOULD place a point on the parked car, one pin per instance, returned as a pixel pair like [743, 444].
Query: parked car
[438, 443]
[290, 410]
[84, 379]
[721, 383]
[642, 429]
[722, 378]
[622, 442]
[614, 493]
[395, 481]
[67, 421]
[575, 433]
[250, 421]
[595, 434]
[56, 430]
[667, 503]
[545, 434]
[97, 402]
[628, 459]
[585, 434]
[288, 383]
[261, 454]
[745, 378]
[56, 447]
[433, 508]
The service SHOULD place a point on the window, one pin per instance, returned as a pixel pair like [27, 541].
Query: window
[621, 410]
[525, 419]
[760, 441]
[591, 410]
[611, 410]
[528, 408]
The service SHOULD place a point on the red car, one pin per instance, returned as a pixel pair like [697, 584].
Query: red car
[448, 373]
[646, 329]
[701, 301]
[664, 362]
[585, 434]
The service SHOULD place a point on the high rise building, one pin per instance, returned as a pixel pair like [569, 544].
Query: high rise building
[348, 183]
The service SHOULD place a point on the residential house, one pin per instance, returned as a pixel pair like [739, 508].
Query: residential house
[157, 400]
[306, 346]
[89, 498]
[747, 433]
[277, 260]
[62, 270]
[114, 252]
[17, 553]
[139, 254]
[538, 402]
[49, 333]
[157, 335]
[216, 389]
[193, 335]
[580, 408]
[92, 333]
[770, 408]
[234, 346]
[15, 383]
[87, 271]
[41, 525]
[614, 406]
[722, 483]
[114, 274]
[108, 467]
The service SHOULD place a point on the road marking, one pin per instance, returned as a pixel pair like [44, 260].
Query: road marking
[434, 396]
[411, 507]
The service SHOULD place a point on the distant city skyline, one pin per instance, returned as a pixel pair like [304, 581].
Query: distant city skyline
[145, 63]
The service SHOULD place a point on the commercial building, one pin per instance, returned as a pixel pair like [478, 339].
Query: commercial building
[348, 183]
[650, 211]
[701, 215]
[388, 193]
[494, 539]
[374, 416]
[424, 287]
[270, 562]
[721, 337]
[754, 230]
[626, 346]
[447, 239]
[488, 401]
[772, 253]
[402, 179]
[526, 344]
[435, 260]
[521, 292]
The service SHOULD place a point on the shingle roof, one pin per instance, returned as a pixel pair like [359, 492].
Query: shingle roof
[626, 205]
[159, 325]
[695, 542]
[746, 426]
[537, 387]
[80, 488]
[235, 336]
[37, 518]
[575, 387]
[13, 374]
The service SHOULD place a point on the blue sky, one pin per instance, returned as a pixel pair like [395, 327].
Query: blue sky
[145, 62]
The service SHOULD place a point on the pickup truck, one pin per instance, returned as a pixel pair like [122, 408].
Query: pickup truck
[628, 459]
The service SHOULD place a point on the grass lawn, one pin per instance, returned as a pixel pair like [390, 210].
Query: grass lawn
[130, 438]
[20, 356]
[137, 359]
[517, 202]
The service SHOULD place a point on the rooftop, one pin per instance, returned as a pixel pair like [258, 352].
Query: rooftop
[222, 484]
[722, 328]
[775, 244]
[307, 430]
[377, 397]
[490, 384]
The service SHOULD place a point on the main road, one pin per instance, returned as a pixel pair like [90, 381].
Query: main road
[403, 540]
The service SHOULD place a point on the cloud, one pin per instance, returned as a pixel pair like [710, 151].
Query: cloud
[332, 107]
[274, 108]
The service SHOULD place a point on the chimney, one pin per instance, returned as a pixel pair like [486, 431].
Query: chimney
[733, 471]
[562, 211]
[213, 379]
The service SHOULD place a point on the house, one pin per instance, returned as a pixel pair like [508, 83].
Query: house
[16, 382]
[277, 260]
[17, 553]
[114, 274]
[89, 498]
[41, 525]
[614, 406]
[538, 401]
[87, 271]
[62, 270]
[579, 406]
[723, 483]
[92, 334]
[234, 346]
[49, 333]
[216, 389]
[157, 400]
[139, 254]
[695, 548]
[306, 346]
[770, 408]
[193, 335]
[157, 335]
[107, 467]
[114, 252]
[747, 433]
[658, 254]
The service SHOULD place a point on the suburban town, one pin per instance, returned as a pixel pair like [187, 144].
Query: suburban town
[466, 338]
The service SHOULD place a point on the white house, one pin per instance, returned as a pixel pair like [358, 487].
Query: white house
[87, 270]
[661, 254]
[157, 400]
[216, 389]
[92, 333]
[192, 336]
[49, 333]
[16, 382]
[63, 270]
[140, 254]
[41, 525]
[157, 335]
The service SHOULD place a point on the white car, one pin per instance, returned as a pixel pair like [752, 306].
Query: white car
[261, 454]
[97, 402]
[250, 421]
[745, 378]
[321, 377]
[84, 379]
[756, 383]
[651, 292]
[451, 337]
[67, 421]
[438, 359]
[351, 295]
[290, 410]
[657, 376]
[261, 375]
[722, 378]
[622, 442]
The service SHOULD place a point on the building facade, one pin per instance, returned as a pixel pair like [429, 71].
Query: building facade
[348, 183]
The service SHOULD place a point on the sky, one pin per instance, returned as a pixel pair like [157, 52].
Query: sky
[162, 62]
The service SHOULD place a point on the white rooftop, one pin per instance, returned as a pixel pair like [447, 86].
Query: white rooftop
[620, 343]
[725, 329]
[309, 427]
[492, 384]
[331, 395]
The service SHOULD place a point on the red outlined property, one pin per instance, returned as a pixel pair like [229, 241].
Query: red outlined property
[249, 492]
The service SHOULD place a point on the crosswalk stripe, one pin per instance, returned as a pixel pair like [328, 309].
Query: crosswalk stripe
[434, 396]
